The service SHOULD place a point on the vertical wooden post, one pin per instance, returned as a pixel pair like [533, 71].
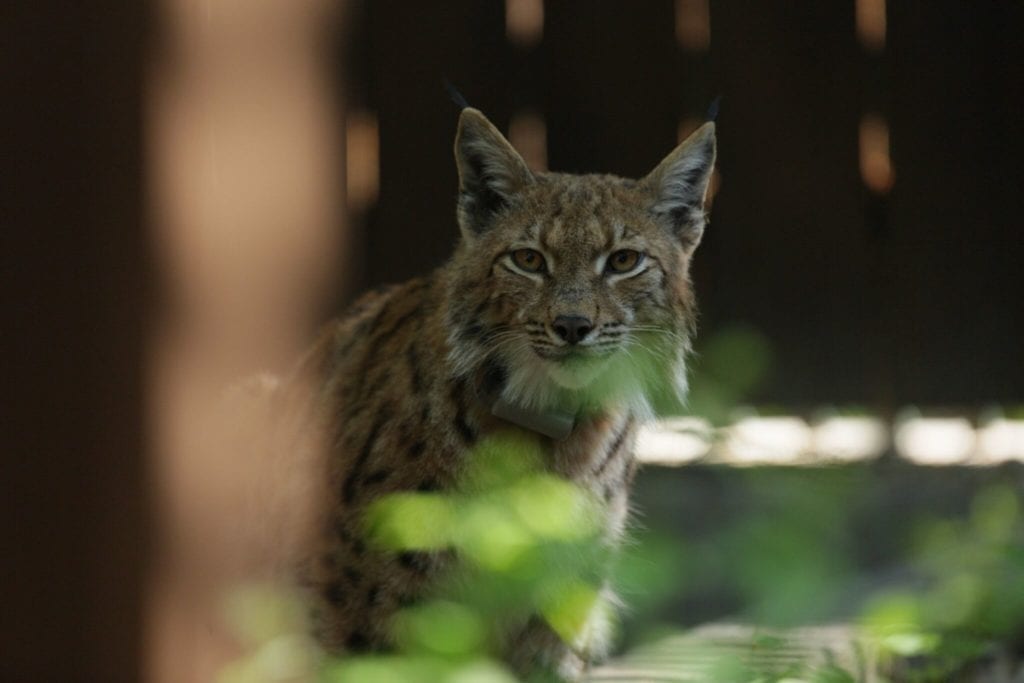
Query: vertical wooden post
[74, 500]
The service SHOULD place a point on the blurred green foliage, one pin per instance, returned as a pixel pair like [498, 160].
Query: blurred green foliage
[973, 594]
[529, 544]
[269, 621]
[727, 368]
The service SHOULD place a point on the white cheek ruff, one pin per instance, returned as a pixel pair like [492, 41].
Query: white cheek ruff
[573, 378]
[544, 386]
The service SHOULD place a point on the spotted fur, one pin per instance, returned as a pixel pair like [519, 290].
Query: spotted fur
[400, 375]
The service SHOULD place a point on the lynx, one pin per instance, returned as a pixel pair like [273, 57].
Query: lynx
[566, 305]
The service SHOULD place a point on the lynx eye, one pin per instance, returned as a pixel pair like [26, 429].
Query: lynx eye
[623, 261]
[529, 260]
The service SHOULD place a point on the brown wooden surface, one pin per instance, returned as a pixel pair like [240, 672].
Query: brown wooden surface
[74, 501]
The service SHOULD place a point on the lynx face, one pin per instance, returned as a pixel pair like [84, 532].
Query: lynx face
[567, 279]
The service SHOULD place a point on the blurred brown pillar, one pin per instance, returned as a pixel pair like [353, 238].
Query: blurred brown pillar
[243, 143]
[73, 501]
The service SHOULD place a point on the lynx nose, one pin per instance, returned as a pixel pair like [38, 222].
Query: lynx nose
[572, 328]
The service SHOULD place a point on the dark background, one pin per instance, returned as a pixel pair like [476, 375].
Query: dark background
[911, 297]
[73, 498]
[914, 296]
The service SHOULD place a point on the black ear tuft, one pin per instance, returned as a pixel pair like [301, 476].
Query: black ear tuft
[712, 114]
[454, 93]
[491, 172]
[679, 185]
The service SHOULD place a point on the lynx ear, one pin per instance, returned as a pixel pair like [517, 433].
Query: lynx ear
[679, 185]
[491, 172]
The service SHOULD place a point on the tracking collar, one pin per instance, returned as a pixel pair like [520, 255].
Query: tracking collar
[490, 386]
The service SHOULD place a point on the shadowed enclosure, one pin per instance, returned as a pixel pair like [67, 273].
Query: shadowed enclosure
[199, 185]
